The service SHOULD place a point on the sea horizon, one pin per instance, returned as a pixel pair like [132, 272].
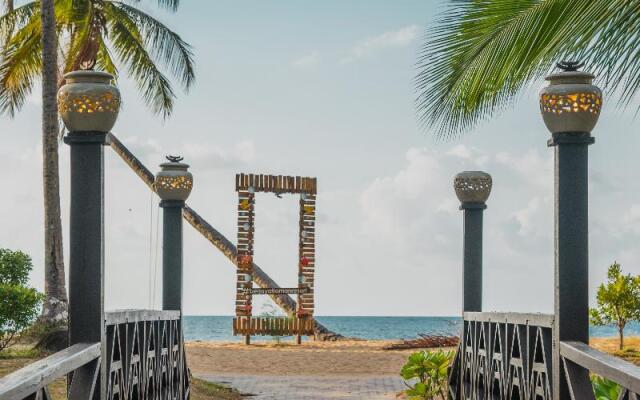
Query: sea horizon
[218, 327]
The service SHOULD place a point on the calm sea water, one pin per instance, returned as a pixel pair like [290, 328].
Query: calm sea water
[219, 327]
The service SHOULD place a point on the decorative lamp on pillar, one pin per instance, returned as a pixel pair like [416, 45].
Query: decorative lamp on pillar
[173, 184]
[570, 103]
[473, 189]
[174, 181]
[570, 107]
[88, 102]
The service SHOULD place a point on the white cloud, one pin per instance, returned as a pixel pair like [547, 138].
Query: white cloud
[201, 156]
[306, 61]
[411, 217]
[398, 38]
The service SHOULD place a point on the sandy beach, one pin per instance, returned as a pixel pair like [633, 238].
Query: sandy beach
[313, 370]
[355, 358]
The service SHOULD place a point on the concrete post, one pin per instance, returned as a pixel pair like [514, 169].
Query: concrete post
[472, 260]
[172, 254]
[473, 189]
[570, 106]
[173, 183]
[571, 246]
[86, 244]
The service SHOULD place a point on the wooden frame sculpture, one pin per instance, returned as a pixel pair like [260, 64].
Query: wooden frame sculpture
[247, 185]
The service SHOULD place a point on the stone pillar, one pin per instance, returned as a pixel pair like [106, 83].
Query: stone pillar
[173, 184]
[570, 107]
[88, 104]
[473, 189]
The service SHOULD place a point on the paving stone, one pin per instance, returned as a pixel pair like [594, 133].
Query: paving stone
[312, 387]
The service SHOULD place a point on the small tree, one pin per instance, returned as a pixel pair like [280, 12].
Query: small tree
[618, 301]
[18, 303]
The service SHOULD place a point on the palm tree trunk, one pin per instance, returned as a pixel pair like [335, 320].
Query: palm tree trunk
[621, 335]
[55, 305]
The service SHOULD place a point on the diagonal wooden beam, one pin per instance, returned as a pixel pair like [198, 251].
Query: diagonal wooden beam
[284, 301]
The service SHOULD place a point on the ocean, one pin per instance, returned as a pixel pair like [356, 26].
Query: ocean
[218, 328]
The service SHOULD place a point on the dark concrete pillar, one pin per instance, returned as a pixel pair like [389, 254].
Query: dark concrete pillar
[570, 106]
[86, 243]
[172, 254]
[473, 189]
[472, 259]
[571, 245]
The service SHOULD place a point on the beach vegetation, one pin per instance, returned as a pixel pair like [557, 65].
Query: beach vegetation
[425, 374]
[618, 301]
[479, 55]
[604, 389]
[19, 303]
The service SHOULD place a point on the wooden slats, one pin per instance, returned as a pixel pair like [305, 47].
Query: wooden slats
[272, 326]
[247, 185]
[276, 183]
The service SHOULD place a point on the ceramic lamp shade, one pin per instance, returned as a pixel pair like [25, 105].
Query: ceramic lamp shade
[472, 186]
[174, 181]
[88, 102]
[570, 103]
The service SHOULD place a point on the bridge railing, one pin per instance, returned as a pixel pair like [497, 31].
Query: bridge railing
[82, 360]
[145, 355]
[580, 360]
[503, 356]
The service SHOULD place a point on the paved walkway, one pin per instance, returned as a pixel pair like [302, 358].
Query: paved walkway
[311, 387]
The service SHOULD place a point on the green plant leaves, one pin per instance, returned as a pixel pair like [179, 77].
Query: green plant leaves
[425, 372]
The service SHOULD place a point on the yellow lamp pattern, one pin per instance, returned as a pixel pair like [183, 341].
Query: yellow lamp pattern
[574, 102]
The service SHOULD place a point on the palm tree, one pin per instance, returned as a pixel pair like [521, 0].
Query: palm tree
[480, 54]
[55, 306]
[92, 33]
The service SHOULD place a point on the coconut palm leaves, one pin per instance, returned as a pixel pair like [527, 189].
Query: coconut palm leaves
[101, 34]
[481, 53]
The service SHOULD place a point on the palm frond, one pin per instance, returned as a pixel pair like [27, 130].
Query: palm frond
[164, 44]
[104, 60]
[128, 44]
[16, 18]
[79, 20]
[20, 67]
[481, 53]
[171, 5]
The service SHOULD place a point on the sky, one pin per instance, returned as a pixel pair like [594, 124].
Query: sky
[325, 89]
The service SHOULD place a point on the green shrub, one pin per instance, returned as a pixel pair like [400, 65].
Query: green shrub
[19, 303]
[604, 389]
[428, 373]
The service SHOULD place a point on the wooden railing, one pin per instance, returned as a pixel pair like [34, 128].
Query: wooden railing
[31, 382]
[145, 355]
[579, 361]
[503, 356]
[272, 326]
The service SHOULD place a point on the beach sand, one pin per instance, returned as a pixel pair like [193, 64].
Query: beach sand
[319, 370]
[313, 370]
[353, 358]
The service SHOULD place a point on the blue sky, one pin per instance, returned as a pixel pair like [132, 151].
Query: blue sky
[325, 89]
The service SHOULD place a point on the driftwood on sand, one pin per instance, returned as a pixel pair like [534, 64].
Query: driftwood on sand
[425, 342]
